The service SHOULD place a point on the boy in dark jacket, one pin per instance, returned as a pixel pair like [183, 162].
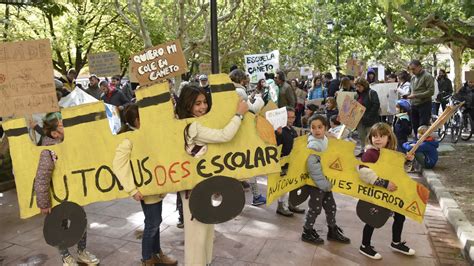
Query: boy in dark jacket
[285, 137]
[427, 154]
[402, 124]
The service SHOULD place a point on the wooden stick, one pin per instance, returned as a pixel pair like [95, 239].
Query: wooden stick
[447, 113]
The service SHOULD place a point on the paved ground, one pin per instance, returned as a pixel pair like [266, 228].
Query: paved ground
[257, 237]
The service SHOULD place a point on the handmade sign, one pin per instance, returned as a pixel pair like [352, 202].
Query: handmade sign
[469, 75]
[26, 78]
[257, 65]
[306, 71]
[278, 117]
[388, 97]
[355, 67]
[351, 112]
[205, 68]
[158, 63]
[104, 64]
[341, 95]
[293, 75]
[339, 165]
[159, 162]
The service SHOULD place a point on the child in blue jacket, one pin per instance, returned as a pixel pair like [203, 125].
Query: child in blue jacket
[427, 154]
[402, 125]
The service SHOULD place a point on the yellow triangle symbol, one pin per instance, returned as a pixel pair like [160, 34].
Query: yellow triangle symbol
[336, 165]
[414, 208]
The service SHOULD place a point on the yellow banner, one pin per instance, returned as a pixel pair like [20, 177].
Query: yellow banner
[83, 172]
[340, 166]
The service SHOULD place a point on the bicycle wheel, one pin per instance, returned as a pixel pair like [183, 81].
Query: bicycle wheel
[466, 130]
[442, 132]
[455, 127]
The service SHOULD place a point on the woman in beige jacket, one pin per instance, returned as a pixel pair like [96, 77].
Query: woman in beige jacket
[199, 237]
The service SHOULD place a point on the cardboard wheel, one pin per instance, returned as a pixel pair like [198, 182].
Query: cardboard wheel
[371, 214]
[203, 195]
[65, 225]
[299, 195]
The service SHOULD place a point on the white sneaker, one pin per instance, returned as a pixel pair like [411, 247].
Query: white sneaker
[69, 261]
[87, 257]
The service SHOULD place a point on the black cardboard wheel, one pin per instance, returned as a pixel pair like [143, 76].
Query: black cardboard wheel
[65, 225]
[371, 214]
[299, 195]
[233, 200]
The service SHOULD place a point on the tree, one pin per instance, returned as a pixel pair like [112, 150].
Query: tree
[434, 23]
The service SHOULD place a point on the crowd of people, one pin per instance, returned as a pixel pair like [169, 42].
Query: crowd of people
[310, 104]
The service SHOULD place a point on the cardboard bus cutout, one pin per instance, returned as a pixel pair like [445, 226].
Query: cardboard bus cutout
[340, 166]
[83, 172]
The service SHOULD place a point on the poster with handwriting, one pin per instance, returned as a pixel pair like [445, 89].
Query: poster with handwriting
[158, 63]
[26, 78]
[104, 64]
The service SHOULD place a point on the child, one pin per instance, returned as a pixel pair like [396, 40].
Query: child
[308, 113]
[285, 137]
[381, 136]
[321, 196]
[336, 128]
[54, 134]
[151, 205]
[427, 153]
[199, 237]
[402, 124]
[331, 108]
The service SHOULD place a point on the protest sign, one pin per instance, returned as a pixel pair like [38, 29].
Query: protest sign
[355, 67]
[340, 166]
[104, 64]
[205, 68]
[257, 65]
[158, 63]
[166, 167]
[306, 71]
[278, 117]
[469, 75]
[351, 112]
[293, 75]
[388, 97]
[341, 95]
[26, 78]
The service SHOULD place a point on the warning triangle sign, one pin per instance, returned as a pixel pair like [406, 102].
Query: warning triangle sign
[414, 208]
[336, 165]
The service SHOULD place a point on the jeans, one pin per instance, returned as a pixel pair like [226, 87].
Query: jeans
[151, 233]
[420, 115]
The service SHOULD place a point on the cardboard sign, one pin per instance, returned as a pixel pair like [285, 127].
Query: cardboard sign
[293, 75]
[469, 75]
[306, 71]
[388, 97]
[104, 64]
[355, 67]
[340, 166]
[341, 95]
[278, 117]
[351, 112]
[158, 63]
[158, 163]
[205, 68]
[26, 78]
[257, 65]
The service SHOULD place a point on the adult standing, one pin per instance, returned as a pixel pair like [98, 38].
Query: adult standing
[69, 80]
[93, 87]
[286, 96]
[370, 100]
[126, 89]
[422, 89]
[113, 96]
[300, 100]
[332, 84]
[318, 91]
[403, 88]
[445, 88]
[204, 83]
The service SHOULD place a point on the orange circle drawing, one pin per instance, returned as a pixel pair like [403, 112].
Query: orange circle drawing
[423, 192]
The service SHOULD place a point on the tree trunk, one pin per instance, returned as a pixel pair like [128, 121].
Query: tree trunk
[456, 55]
